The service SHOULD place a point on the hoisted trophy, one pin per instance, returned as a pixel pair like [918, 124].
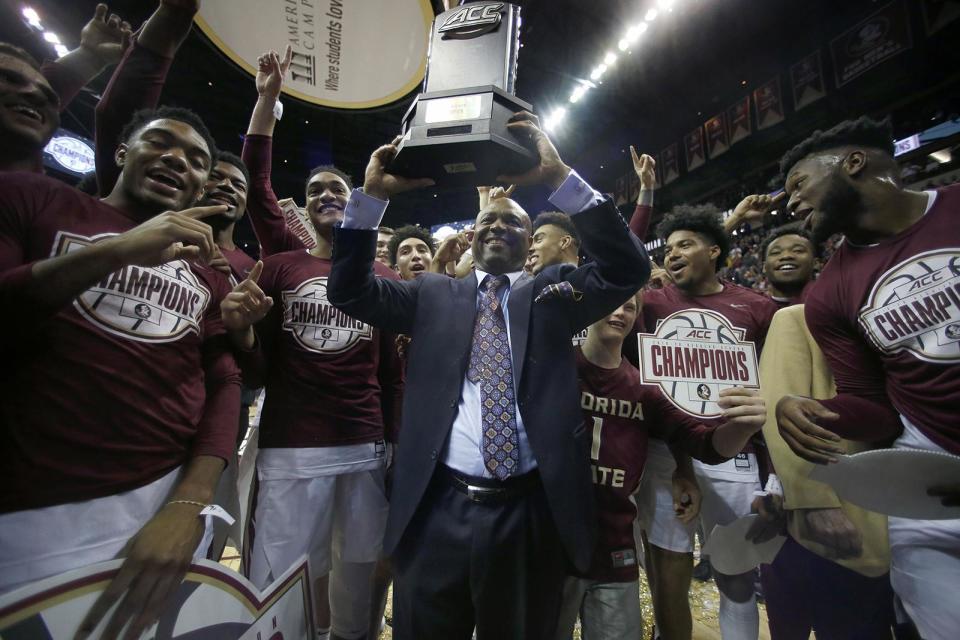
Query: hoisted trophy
[456, 130]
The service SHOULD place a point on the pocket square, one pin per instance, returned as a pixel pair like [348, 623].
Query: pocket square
[559, 291]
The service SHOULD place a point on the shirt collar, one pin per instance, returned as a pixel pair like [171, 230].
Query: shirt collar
[513, 276]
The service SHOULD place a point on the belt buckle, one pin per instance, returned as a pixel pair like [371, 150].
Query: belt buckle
[480, 494]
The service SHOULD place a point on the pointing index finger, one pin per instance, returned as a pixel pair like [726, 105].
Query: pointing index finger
[198, 213]
[255, 271]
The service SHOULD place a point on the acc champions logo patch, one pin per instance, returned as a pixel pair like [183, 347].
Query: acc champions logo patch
[693, 355]
[316, 324]
[147, 304]
[915, 306]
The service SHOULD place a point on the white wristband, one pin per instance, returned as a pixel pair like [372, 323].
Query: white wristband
[278, 110]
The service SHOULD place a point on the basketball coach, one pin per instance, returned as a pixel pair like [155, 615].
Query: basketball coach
[492, 496]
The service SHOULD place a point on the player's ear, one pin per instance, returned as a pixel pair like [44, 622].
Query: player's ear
[120, 155]
[855, 162]
[714, 253]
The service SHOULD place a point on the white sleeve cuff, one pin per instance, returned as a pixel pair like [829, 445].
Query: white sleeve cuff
[575, 195]
[363, 211]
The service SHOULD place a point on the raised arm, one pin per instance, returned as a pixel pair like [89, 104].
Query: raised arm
[645, 167]
[752, 209]
[103, 41]
[138, 80]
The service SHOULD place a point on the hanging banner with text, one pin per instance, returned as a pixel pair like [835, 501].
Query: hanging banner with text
[693, 355]
[717, 141]
[693, 143]
[769, 104]
[669, 164]
[806, 77]
[738, 117]
[341, 57]
[874, 40]
[212, 602]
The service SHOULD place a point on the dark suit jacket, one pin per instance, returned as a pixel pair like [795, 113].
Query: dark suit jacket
[438, 313]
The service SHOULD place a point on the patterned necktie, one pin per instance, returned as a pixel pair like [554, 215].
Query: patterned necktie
[492, 370]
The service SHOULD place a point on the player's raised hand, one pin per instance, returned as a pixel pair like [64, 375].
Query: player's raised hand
[247, 304]
[834, 530]
[156, 563]
[271, 70]
[645, 167]
[753, 208]
[743, 407]
[686, 497]
[380, 184]
[797, 419]
[105, 37]
[450, 250]
[174, 235]
[550, 171]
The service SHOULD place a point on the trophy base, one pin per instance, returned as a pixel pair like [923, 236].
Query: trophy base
[460, 138]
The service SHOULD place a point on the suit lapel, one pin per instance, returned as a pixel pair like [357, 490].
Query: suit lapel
[464, 314]
[521, 297]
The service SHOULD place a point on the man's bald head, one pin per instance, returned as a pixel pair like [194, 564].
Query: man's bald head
[501, 237]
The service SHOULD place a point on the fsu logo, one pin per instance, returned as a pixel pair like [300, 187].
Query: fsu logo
[316, 324]
[471, 20]
[147, 304]
[694, 354]
[915, 306]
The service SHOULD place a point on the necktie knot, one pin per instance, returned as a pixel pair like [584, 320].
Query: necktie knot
[492, 283]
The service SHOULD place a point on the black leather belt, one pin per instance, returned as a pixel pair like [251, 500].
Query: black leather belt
[486, 490]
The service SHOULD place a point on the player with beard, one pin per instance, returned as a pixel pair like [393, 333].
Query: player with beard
[383, 241]
[411, 251]
[696, 243]
[122, 390]
[333, 387]
[885, 311]
[228, 184]
[32, 96]
[789, 258]
[623, 412]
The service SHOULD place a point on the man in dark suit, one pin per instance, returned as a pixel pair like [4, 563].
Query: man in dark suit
[492, 493]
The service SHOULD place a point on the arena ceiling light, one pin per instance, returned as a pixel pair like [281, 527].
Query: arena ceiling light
[624, 45]
[32, 17]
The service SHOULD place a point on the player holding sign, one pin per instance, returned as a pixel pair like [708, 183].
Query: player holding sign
[886, 312]
[703, 329]
[621, 411]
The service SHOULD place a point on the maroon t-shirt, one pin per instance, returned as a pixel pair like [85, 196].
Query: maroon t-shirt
[116, 389]
[622, 413]
[240, 262]
[887, 317]
[330, 380]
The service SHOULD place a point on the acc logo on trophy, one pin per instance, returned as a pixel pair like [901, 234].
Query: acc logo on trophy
[694, 354]
[472, 20]
[915, 306]
[316, 324]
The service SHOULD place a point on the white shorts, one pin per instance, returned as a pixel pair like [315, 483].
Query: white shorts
[316, 502]
[925, 561]
[39, 543]
[607, 610]
[654, 497]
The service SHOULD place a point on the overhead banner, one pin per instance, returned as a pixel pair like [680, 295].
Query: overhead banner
[670, 164]
[340, 58]
[769, 104]
[693, 355]
[717, 140]
[806, 77]
[212, 602]
[872, 41]
[693, 143]
[738, 117]
[939, 13]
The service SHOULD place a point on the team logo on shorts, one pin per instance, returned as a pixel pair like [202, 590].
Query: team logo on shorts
[692, 355]
[316, 324]
[147, 304]
[915, 306]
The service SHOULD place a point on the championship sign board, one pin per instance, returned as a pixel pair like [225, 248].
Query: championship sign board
[346, 54]
[693, 355]
[212, 602]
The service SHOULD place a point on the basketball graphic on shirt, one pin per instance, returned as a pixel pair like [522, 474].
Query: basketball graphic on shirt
[147, 304]
[915, 306]
[316, 324]
[693, 355]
